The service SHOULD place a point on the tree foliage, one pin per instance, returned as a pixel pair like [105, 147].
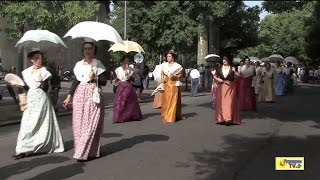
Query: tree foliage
[163, 25]
[242, 26]
[313, 35]
[282, 6]
[56, 16]
[284, 33]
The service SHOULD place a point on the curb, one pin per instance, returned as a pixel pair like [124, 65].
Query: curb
[14, 122]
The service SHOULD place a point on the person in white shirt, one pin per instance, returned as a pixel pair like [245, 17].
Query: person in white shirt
[311, 74]
[316, 74]
[195, 81]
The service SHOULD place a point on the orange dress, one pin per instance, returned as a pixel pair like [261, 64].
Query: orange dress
[171, 100]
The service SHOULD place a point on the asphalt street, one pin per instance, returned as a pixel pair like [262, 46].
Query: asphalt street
[192, 149]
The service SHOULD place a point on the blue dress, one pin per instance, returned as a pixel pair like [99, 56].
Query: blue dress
[279, 82]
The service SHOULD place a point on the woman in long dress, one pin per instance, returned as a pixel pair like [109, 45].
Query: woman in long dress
[87, 115]
[288, 81]
[39, 129]
[227, 109]
[126, 106]
[279, 80]
[246, 91]
[267, 91]
[158, 95]
[171, 97]
[256, 81]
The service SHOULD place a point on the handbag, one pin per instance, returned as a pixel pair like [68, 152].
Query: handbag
[23, 102]
[96, 95]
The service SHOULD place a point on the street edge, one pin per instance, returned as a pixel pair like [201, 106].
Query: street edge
[14, 122]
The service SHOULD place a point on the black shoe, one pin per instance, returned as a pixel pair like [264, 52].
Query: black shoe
[228, 123]
[19, 156]
[221, 123]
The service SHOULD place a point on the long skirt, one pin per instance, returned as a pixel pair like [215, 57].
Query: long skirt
[256, 84]
[279, 85]
[87, 122]
[246, 95]
[39, 129]
[288, 83]
[126, 106]
[171, 103]
[267, 91]
[295, 79]
[157, 100]
[227, 104]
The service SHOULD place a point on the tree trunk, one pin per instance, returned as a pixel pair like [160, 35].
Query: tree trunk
[103, 16]
[22, 60]
[202, 43]
[214, 31]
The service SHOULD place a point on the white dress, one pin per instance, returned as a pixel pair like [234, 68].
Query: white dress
[39, 130]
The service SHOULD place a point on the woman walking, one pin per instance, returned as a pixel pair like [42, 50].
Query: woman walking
[88, 113]
[267, 92]
[157, 74]
[171, 97]
[39, 130]
[227, 109]
[126, 106]
[246, 91]
[279, 80]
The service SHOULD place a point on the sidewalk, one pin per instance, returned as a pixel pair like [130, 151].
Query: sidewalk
[10, 113]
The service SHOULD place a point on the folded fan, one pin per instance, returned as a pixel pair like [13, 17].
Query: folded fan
[14, 80]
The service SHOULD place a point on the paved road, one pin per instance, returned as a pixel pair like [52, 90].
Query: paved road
[192, 149]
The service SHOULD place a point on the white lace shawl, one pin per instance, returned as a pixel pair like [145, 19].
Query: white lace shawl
[33, 79]
[121, 73]
[82, 70]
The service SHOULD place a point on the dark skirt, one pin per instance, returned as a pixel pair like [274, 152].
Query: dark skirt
[126, 106]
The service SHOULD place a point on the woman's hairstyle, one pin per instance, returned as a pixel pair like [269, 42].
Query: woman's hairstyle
[124, 57]
[246, 57]
[93, 44]
[267, 63]
[32, 53]
[229, 58]
[174, 55]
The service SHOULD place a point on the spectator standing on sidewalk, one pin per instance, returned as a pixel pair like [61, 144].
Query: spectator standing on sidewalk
[195, 80]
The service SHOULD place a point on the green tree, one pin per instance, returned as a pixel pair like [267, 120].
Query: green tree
[313, 35]
[282, 6]
[242, 26]
[283, 33]
[157, 26]
[162, 25]
[56, 16]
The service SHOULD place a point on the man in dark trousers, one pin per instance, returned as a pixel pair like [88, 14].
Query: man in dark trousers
[146, 71]
[55, 83]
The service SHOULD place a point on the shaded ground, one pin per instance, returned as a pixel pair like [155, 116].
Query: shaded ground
[192, 149]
